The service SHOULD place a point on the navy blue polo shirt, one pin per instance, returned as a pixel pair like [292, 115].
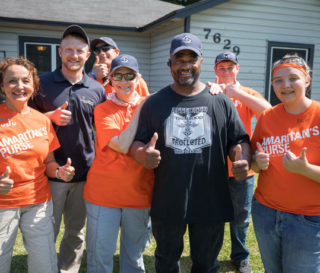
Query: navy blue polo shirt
[77, 138]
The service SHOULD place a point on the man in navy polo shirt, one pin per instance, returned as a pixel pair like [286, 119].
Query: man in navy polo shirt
[68, 97]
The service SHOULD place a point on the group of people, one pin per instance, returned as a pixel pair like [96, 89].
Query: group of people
[104, 150]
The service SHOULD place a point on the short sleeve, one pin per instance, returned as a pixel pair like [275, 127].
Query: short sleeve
[106, 125]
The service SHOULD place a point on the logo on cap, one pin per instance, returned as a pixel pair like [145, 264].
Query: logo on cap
[124, 59]
[187, 39]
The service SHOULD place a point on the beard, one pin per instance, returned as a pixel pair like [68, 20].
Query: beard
[187, 81]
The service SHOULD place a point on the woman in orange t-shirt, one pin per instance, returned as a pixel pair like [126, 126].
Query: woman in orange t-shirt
[118, 190]
[286, 207]
[27, 142]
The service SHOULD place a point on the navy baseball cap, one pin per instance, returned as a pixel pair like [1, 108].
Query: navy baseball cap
[124, 61]
[75, 29]
[226, 56]
[106, 40]
[186, 41]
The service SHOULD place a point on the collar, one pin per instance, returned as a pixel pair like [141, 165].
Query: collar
[59, 77]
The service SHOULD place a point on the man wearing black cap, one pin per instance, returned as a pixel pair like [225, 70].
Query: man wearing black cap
[68, 97]
[105, 50]
[193, 132]
[248, 103]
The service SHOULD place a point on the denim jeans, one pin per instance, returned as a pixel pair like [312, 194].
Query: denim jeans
[205, 244]
[288, 243]
[103, 225]
[241, 193]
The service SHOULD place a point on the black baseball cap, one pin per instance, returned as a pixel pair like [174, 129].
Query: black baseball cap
[75, 29]
[226, 56]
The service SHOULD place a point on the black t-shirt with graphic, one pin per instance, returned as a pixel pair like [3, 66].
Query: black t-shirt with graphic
[195, 134]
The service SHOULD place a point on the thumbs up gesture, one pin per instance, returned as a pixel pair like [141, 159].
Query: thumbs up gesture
[60, 116]
[100, 69]
[261, 158]
[6, 183]
[293, 163]
[152, 156]
[66, 172]
[240, 166]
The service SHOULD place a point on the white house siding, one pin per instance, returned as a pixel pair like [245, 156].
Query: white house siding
[136, 44]
[250, 24]
[160, 39]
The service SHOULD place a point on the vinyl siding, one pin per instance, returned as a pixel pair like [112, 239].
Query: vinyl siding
[250, 24]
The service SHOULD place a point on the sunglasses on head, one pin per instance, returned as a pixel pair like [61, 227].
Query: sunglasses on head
[119, 76]
[293, 59]
[104, 48]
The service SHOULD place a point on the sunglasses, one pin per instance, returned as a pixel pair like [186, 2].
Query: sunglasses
[119, 76]
[104, 48]
[296, 60]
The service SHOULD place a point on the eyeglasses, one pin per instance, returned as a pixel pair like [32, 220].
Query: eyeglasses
[104, 48]
[119, 76]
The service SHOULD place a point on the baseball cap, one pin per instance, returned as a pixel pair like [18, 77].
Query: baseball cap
[106, 40]
[186, 41]
[124, 61]
[75, 29]
[226, 56]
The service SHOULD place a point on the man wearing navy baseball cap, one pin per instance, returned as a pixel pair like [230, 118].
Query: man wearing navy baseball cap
[105, 50]
[185, 134]
[249, 103]
[68, 97]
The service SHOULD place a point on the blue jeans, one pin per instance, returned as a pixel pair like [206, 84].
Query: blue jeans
[288, 243]
[103, 225]
[241, 193]
[205, 244]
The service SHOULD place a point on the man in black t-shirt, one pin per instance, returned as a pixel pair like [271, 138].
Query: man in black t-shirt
[185, 134]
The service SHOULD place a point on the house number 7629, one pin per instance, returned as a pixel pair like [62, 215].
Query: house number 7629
[216, 38]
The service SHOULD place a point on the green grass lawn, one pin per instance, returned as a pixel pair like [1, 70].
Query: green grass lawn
[19, 260]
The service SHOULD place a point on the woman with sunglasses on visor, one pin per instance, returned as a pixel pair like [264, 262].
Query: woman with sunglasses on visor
[286, 205]
[118, 190]
[27, 142]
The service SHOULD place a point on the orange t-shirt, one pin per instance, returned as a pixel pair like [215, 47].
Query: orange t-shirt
[115, 179]
[278, 132]
[25, 141]
[142, 88]
[246, 115]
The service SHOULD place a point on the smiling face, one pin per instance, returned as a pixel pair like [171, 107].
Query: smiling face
[106, 57]
[226, 72]
[124, 89]
[290, 85]
[74, 53]
[185, 67]
[17, 85]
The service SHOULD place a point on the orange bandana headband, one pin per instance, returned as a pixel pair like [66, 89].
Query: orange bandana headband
[290, 65]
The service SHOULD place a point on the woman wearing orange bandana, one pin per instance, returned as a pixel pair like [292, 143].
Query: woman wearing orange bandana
[286, 205]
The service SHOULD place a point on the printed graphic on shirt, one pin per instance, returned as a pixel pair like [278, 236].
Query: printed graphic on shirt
[188, 130]
[7, 122]
[11, 146]
[279, 145]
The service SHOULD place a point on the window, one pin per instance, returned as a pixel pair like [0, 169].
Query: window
[277, 50]
[43, 52]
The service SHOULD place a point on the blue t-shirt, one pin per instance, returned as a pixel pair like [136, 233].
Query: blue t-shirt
[77, 138]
